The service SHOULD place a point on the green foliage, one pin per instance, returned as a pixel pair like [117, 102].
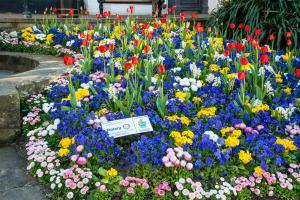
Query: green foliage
[273, 16]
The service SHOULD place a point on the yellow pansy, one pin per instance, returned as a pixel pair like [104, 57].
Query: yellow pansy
[288, 91]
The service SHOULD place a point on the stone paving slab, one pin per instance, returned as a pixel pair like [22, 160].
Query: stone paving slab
[15, 182]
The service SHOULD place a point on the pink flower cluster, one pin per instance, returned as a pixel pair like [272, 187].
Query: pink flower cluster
[292, 130]
[62, 80]
[77, 178]
[97, 76]
[35, 98]
[131, 182]
[177, 158]
[101, 187]
[32, 117]
[162, 188]
[270, 179]
[248, 129]
[80, 160]
[41, 155]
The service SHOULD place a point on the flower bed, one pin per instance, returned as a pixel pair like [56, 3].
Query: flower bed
[225, 114]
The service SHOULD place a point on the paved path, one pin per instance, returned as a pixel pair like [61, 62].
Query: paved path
[15, 182]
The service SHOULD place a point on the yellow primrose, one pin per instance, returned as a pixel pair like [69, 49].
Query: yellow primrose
[173, 118]
[232, 141]
[82, 92]
[65, 142]
[112, 172]
[181, 95]
[278, 78]
[245, 157]
[185, 120]
[236, 133]
[188, 133]
[63, 152]
[225, 130]
[288, 144]
[207, 112]
[258, 170]
[288, 91]
[262, 107]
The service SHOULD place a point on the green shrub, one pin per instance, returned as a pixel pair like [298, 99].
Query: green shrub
[272, 16]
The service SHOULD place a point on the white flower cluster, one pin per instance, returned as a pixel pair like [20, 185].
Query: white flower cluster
[212, 136]
[214, 80]
[269, 89]
[197, 191]
[195, 70]
[286, 113]
[113, 92]
[188, 84]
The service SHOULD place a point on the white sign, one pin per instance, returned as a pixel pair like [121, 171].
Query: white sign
[128, 126]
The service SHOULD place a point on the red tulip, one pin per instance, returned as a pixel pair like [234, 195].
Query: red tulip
[131, 9]
[242, 76]
[127, 65]
[68, 60]
[199, 29]
[244, 61]
[297, 72]
[71, 12]
[240, 47]
[59, 15]
[226, 53]
[85, 43]
[102, 48]
[169, 10]
[182, 17]
[241, 26]
[264, 58]
[54, 9]
[173, 8]
[255, 43]
[247, 28]
[163, 20]
[271, 37]
[155, 25]
[150, 35]
[264, 49]
[89, 37]
[85, 12]
[289, 42]
[98, 15]
[258, 32]
[249, 38]
[288, 34]
[232, 26]
[134, 60]
[193, 15]
[136, 42]
[145, 26]
[146, 48]
[111, 47]
[161, 69]
[106, 13]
